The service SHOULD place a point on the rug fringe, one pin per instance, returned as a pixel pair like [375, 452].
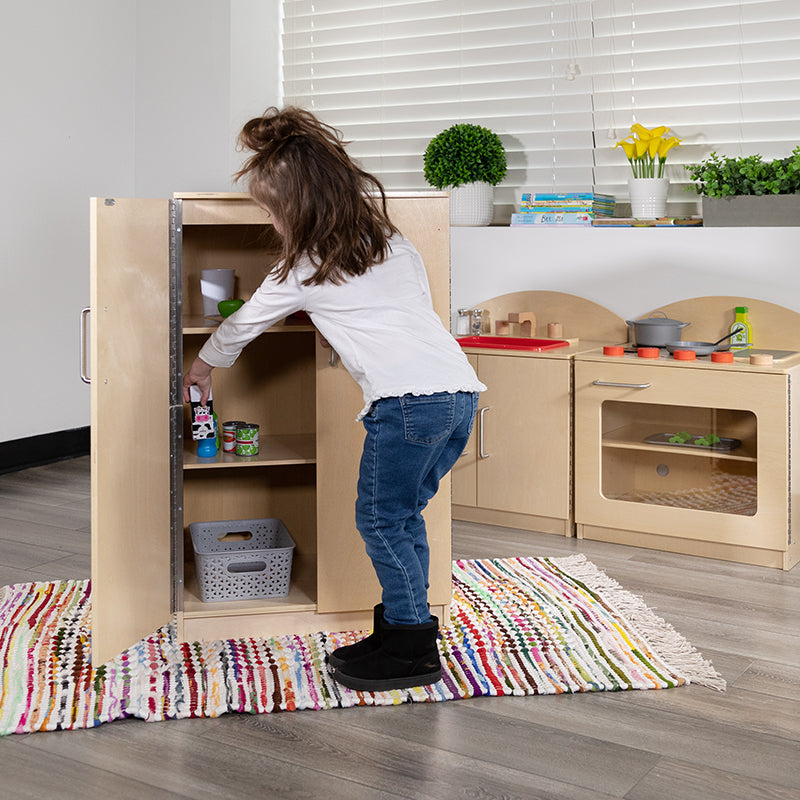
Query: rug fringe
[673, 648]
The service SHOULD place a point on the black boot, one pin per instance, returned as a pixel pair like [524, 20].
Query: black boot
[341, 655]
[408, 656]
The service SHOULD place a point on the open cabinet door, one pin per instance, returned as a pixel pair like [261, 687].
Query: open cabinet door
[130, 396]
[346, 580]
[425, 220]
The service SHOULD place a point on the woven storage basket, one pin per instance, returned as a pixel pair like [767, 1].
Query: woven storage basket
[255, 560]
[471, 205]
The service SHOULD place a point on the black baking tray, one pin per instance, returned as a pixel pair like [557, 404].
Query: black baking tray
[724, 444]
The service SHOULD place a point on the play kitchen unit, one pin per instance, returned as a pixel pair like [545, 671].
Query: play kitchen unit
[676, 443]
[517, 467]
[287, 508]
[691, 452]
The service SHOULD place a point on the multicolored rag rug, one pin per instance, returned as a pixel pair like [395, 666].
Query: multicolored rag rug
[519, 626]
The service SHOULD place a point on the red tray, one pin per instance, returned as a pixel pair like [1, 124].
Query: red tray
[511, 343]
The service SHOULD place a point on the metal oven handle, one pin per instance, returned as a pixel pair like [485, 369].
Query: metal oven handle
[623, 385]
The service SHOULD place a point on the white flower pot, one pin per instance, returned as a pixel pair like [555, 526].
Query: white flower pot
[648, 197]
[471, 205]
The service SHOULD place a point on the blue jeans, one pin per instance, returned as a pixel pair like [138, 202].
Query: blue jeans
[411, 443]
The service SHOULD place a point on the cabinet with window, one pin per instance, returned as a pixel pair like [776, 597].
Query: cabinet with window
[693, 457]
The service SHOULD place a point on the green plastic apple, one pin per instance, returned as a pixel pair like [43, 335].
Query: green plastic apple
[227, 307]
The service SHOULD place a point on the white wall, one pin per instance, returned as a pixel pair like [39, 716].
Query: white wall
[630, 271]
[107, 98]
[182, 85]
[67, 96]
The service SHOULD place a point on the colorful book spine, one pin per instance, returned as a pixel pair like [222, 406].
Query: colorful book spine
[591, 196]
[590, 203]
[552, 218]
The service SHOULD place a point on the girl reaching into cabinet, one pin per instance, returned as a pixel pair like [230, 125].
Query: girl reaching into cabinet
[366, 290]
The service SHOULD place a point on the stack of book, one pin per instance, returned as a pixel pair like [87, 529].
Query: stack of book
[570, 208]
[633, 222]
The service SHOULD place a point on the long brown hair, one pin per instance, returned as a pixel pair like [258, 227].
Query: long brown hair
[325, 206]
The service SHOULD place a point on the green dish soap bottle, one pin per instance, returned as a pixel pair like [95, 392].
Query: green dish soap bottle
[742, 330]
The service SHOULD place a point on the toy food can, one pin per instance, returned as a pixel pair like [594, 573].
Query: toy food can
[247, 439]
[229, 435]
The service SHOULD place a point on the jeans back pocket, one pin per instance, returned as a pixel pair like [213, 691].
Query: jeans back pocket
[428, 418]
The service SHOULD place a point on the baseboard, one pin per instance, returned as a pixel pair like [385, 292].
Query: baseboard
[43, 449]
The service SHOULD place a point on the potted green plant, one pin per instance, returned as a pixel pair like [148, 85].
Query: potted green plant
[470, 161]
[748, 190]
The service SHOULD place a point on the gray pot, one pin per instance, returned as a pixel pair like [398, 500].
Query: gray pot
[654, 331]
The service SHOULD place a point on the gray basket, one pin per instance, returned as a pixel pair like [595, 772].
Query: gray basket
[258, 565]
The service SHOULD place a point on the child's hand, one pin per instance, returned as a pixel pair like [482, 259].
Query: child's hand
[199, 375]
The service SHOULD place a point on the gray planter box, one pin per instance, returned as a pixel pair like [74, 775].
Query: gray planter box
[768, 211]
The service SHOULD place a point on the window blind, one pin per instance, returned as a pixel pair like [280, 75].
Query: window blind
[724, 75]
[558, 80]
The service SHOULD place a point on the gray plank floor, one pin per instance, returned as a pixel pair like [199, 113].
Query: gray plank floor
[687, 743]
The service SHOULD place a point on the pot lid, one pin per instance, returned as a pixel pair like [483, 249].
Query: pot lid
[651, 320]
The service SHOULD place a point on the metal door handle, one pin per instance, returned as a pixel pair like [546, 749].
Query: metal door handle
[623, 385]
[84, 371]
[481, 451]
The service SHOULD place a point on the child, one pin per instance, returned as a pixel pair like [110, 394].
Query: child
[366, 290]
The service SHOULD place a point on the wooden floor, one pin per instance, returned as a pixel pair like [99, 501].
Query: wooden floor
[677, 744]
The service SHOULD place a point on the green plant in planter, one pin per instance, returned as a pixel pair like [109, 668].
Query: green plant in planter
[465, 153]
[718, 176]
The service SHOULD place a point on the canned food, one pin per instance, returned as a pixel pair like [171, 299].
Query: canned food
[247, 439]
[229, 435]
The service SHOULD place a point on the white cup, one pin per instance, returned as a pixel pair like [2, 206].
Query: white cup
[215, 285]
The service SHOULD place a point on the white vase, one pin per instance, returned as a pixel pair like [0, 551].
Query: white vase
[215, 285]
[648, 197]
[471, 205]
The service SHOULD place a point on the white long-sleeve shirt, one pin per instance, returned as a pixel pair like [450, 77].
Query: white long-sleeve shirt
[381, 324]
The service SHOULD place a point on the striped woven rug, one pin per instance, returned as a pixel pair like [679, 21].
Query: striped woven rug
[519, 626]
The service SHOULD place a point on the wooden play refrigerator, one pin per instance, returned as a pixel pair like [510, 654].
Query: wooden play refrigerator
[148, 485]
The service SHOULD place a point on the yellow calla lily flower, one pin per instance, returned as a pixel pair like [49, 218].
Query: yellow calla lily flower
[641, 147]
[647, 148]
[628, 147]
[665, 145]
[647, 133]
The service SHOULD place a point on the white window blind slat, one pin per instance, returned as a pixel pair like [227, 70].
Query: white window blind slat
[723, 74]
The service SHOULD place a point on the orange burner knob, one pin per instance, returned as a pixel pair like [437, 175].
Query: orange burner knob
[648, 352]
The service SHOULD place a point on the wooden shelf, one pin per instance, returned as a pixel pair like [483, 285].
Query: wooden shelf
[207, 325]
[275, 450]
[631, 437]
[301, 597]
